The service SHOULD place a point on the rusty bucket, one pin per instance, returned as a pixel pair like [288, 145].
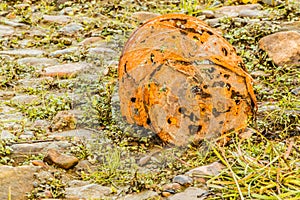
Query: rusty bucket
[182, 80]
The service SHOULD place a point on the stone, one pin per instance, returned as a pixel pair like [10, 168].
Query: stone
[61, 160]
[6, 30]
[272, 2]
[209, 170]
[234, 11]
[143, 16]
[145, 195]
[23, 52]
[62, 52]
[59, 19]
[63, 120]
[282, 47]
[71, 28]
[183, 180]
[14, 24]
[6, 95]
[38, 147]
[6, 135]
[296, 91]
[290, 26]
[25, 99]
[37, 62]
[252, 13]
[65, 70]
[80, 134]
[90, 40]
[90, 191]
[191, 193]
[100, 50]
[208, 14]
[16, 181]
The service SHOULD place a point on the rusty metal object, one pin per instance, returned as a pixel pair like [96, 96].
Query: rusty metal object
[182, 80]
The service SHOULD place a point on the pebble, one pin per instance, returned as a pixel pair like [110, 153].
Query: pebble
[60, 19]
[23, 52]
[90, 40]
[25, 99]
[37, 62]
[71, 28]
[296, 91]
[101, 50]
[209, 170]
[65, 70]
[6, 30]
[191, 193]
[90, 191]
[183, 180]
[62, 52]
[61, 160]
[6, 135]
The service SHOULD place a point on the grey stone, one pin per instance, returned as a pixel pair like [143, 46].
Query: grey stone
[60, 19]
[90, 191]
[66, 51]
[65, 70]
[295, 91]
[37, 62]
[208, 14]
[183, 180]
[82, 134]
[148, 194]
[16, 181]
[234, 11]
[71, 28]
[209, 170]
[6, 30]
[6, 135]
[25, 99]
[191, 193]
[252, 13]
[23, 52]
[290, 26]
[143, 16]
[101, 50]
[39, 147]
[14, 24]
[6, 95]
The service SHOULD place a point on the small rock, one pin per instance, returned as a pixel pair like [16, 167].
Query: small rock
[183, 180]
[63, 120]
[83, 166]
[252, 13]
[59, 19]
[39, 163]
[71, 28]
[234, 11]
[282, 47]
[213, 22]
[23, 52]
[25, 99]
[172, 186]
[37, 148]
[6, 95]
[61, 160]
[65, 70]
[82, 134]
[100, 50]
[290, 26]
[90, 191]
[62, 52]
[145, 195]
[208, 14]
[37, 62]
[14, 24]
[191, 193]
[208, 170]
[6, 135]
[296, 91]
[27, 135]
[6, 30]
[89, 41]
[16, 181]
[272, 2]
[259, 73]
[142, 16]
[144, 160]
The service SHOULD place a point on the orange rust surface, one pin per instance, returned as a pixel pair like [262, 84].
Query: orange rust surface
[182, 80]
